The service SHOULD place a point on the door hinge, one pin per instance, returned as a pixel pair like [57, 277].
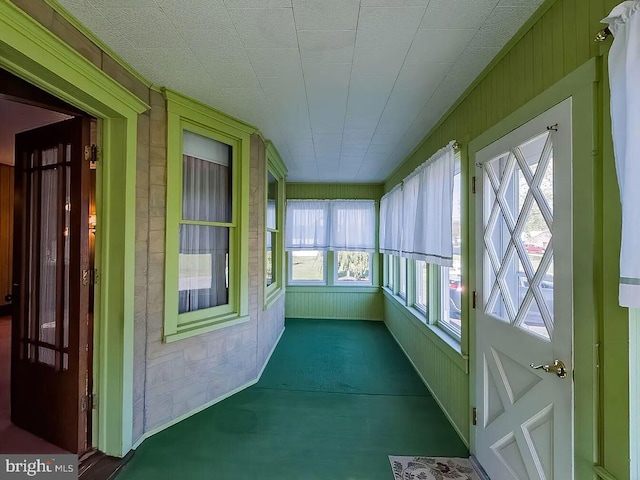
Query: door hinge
[95, 277]
[474, 298]
[474, 415]
[86, 403]
[473, 185]
[91, 154]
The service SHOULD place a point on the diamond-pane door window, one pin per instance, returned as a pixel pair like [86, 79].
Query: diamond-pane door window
[518, 238]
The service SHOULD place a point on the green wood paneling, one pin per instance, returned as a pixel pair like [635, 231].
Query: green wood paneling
[329, 303]
[329, 191]
[448, 383]
[555, 42]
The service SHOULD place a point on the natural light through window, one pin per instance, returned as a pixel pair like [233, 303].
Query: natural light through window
[307, 266]
[353, 267]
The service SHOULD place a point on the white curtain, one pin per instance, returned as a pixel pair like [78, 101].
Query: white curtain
[353, 225]
[428, 203]
[307, 225]
[206, 196]
[331, 225]
[624, 76]
[390, 230]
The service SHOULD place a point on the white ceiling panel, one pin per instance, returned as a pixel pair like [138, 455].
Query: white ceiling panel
[392, 27]
[457, 13]
[201, 14]
[439, 46]
[326, 14]
[368, 94]
[378, 61]
[326, 46]
[344, 88]
[500, 26]
[265, 27]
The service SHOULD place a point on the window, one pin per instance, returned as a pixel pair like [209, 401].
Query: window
[274, 221]
[272, 228]
[451, 284]
[353, 267]
[421, 286]
[205, 228]
[307, 267]
[402, 282]
[388, 271]
[206, 240]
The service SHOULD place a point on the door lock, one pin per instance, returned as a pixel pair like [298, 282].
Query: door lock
[7, 298]
[558, 367]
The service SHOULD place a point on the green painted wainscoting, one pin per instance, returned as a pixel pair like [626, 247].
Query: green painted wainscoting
[348, 303]
[329, 301]
[443, 370]
[556, 41]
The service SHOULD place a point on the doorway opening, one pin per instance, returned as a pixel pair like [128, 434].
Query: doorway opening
[47, 238]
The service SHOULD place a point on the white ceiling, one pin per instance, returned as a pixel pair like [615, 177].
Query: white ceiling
[344, 88]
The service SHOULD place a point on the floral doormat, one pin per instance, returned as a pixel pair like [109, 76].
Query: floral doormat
[432, 468]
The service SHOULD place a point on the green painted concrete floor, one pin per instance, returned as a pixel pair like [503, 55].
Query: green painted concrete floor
[336, 398]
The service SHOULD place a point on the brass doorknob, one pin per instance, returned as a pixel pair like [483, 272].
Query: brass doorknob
[558, 367]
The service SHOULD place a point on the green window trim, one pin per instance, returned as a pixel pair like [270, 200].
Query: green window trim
[277, 168]
[183, 114]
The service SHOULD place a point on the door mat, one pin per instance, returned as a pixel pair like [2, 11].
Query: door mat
[432, 468]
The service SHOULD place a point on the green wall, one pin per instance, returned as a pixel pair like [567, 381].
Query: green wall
[341, 302]
[554, 43]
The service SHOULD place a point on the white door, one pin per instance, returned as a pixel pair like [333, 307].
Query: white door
[525, 301]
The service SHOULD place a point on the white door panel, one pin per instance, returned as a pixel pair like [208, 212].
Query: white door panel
[525, 311]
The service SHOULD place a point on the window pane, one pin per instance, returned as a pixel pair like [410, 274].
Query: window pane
[270, 272]
[452, 299]
[451, 277]
[206, 180]
[353, 267]
[421, 285]
[391, 272]
[272, 199]
[402, 288]
[203, 267]
[307, 266]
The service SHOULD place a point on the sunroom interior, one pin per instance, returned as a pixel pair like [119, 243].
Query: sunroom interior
[327, 236]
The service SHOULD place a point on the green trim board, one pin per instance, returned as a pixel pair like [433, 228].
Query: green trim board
[30, 51]
[277, 168]
[185, 114]
[334, 191]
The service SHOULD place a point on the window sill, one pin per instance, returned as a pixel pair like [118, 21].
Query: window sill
[205, 326]
[272, 297]
[445, 342]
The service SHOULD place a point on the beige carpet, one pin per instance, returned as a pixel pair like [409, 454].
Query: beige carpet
[432, 468]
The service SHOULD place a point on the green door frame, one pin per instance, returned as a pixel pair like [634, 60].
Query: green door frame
[33, 53]
[582, 87]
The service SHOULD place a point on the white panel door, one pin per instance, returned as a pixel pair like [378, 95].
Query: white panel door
[525, 307]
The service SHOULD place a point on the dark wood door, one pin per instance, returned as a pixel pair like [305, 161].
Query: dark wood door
[50, 344]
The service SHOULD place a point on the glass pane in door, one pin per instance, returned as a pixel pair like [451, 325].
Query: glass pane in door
[518, 237]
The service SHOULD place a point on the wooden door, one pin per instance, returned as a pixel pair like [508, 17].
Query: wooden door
[50, 363]
[525, 317]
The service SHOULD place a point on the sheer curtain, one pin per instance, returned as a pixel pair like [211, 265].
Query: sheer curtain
[307, 225]
[624, 76]
[204, 249]
[410, 189]
[331, 225]
[353, 225]
[390, 230]
[433, 237]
